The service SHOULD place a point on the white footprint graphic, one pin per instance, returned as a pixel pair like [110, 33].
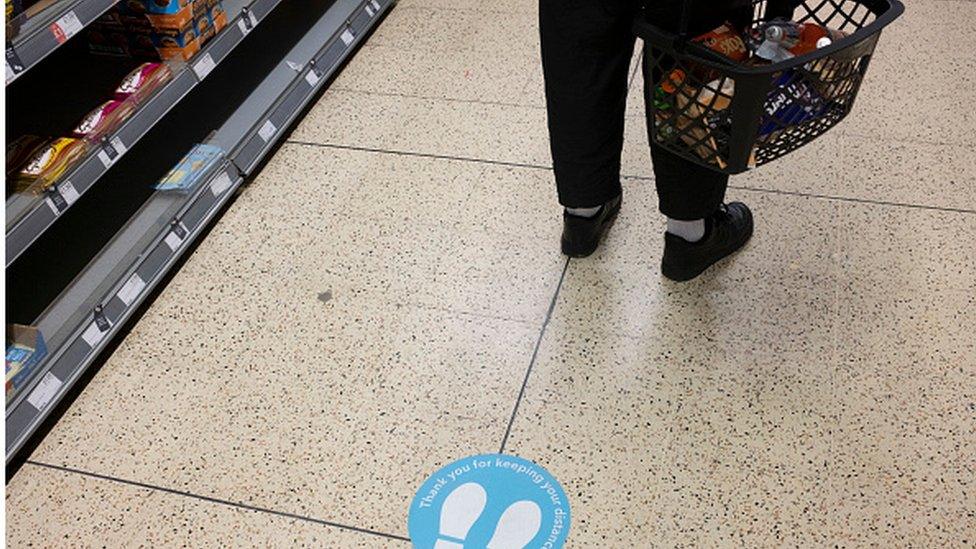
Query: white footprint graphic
[518, 525]
[461, 509]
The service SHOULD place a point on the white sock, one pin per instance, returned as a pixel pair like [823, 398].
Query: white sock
[584, 212]
[692, 231]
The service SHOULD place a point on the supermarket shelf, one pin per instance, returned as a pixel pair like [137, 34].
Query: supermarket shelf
[44, 32]
[85, 317]
[28, 216]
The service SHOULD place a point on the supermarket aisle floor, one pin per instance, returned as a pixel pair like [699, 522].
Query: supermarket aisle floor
[372, 304]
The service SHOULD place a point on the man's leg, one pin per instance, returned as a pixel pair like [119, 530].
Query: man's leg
[586, 50]
[701, 229]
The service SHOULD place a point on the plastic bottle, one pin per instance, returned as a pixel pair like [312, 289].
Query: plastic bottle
[785, 39]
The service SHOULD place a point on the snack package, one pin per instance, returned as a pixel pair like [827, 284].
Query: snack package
[792, 101]
[20, 150]
[726, 41]
[25, 350]
[165, 6]
[218, 17]
[102, 120]
[185, 176]
[141, 82]
[49, 164]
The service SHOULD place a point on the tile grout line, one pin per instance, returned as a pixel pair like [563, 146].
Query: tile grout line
[626, 176]
[535, 354]
[216, 500]
[421, 155]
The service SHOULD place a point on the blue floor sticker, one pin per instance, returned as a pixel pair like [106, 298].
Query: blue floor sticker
[492, 500]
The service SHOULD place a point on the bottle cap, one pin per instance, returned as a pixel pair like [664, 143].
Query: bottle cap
[824, 42]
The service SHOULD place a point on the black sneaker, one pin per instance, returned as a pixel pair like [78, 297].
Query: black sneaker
[727, 230]
[582, 235]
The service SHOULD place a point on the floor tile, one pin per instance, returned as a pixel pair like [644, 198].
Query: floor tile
[868, 168]
[449, 31]
[448, 234]
[339, 418]
[905, 444]
[463, 75]
[660, 442]
[778, 293]
[524, 8]
[914, 89]
[358, 119]
[905, 251]
[48, 508]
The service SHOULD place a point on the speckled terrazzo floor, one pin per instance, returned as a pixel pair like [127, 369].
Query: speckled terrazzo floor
[817, 390]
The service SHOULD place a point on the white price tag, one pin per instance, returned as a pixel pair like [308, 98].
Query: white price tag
[93, 335]
[131, 290]
[69, 192]
[41, 396]
[204, 66]
[173, 240]
[111, 151]
[347, 37]
[62, 198]
[312, 77]
[376, 5]
[369, 11]
[10, 71]
[68, 25]
[247, 24]
[220, 184]
[267, 131]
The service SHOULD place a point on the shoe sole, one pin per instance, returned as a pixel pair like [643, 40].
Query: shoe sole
[587, 252]
[690, 275]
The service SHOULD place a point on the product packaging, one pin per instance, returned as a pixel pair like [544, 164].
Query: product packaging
[25, 350]
[186, 175]
[103, 120]
[49, 164]
[142, 82]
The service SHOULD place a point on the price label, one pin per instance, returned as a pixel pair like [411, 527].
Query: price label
[131, 290]
[312, 77]
[347, 37]
[176, 237]
[61, 197]
[42, 395]
[247, 22]
[94, 334]
[14, 65]
[66, 27]
[204, 66]
[267, 131]
[369, 10]
[220, 184]
[376, 5]
[111, 151]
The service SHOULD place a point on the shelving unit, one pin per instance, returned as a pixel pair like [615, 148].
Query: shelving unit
[81, 321]
[29, 216]
[47, 30]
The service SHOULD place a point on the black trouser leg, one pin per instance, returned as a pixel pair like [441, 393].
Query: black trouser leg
[685, 190]
[586, 50]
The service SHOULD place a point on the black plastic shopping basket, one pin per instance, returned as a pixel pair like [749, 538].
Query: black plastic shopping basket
[731, 117]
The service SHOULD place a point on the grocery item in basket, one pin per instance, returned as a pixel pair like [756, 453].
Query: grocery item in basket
[185, 176]
[780, 39]
[142, 81]
[102, 120]
[792, 101]
[725, 40]
[49, 164]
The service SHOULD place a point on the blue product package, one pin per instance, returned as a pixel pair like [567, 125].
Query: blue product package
[197, 163]
[792, 101]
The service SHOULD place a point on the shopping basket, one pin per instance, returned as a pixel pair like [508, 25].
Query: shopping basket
[731, 117]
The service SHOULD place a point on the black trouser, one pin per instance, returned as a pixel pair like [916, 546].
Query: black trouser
[586, 50]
